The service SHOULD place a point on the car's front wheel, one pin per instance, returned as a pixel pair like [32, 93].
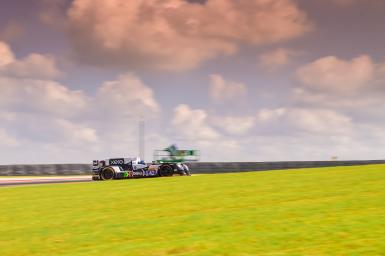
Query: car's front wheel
[186, 169]
[107, 173]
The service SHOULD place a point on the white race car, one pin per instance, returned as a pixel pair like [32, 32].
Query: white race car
[127, 168]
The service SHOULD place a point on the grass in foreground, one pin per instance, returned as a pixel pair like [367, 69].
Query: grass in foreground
[328, 211]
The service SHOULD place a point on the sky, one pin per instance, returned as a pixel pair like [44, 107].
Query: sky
[240, 80]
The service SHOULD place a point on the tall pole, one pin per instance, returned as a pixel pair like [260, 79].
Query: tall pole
[141, 139]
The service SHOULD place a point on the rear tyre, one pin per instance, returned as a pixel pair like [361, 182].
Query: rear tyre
[166, 171]
[107, 173]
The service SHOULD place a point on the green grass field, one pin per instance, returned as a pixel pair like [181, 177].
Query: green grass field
[328, 211]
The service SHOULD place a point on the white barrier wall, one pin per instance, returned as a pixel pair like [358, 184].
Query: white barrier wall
[201, 167]
[196, 167]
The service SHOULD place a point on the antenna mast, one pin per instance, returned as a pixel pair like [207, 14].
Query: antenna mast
[141, 139]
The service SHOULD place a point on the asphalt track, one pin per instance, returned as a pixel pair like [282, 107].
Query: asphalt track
[15, 181]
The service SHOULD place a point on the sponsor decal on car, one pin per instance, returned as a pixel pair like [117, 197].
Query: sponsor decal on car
[138, 173]
[150, 173]
[117, 161]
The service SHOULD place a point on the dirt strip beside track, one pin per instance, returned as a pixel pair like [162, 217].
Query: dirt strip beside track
[14, 181]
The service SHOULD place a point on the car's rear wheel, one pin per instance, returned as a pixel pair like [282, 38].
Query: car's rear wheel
[107, 173]
[166, 170]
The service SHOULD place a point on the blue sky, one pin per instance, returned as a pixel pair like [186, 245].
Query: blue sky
[240, 80]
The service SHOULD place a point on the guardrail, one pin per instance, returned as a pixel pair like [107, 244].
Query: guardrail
[196, 167]
[45, 169]
[202, 167]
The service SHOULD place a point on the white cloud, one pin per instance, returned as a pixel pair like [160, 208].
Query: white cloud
[225, 90]
[234, 125]
[195, 128]
[33, 66]
[266, 115]
[318, 121]
[12, 31]
[6, 54]
[44, 96]
[52, 12]
[193, 123]
[177, 35]
[371, 101]
[7, 139]
[7, 116]
[277, 58]
[45, 121]
[331, 73]
[380, 73]
[287, 133]
[49, 116]
[77, 133]
[36, 112]
[354, 87]
[127, 95]
[344, 2]
[348, 3]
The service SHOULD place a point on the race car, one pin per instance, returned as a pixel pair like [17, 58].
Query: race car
[128, 168]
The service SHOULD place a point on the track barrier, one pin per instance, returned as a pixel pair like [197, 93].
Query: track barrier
[196, 167]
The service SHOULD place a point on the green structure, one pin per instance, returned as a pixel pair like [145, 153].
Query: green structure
[172, 154]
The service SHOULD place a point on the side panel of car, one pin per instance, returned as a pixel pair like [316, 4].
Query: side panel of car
[122, 168]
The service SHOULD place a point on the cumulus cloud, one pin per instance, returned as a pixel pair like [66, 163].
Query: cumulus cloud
[57, 123]
[52, 12]
[234, 125]
[12, 31]
[277, 58]
[29, 95]
[320, 121]
[6, 54]
[349, 3]
[77, 133]
[25, 85]
[361, 101]
[317, 121]
[34, 66]
[177, 35]
[345, 2]
[193, 123]
[287, 133]
[352, 86]
[197, 129]
[127, 95]
[225, 90]
[267, 115]
[332, 73]
[340, 101]
[315, 133]
[49, 115]
[7, 139]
